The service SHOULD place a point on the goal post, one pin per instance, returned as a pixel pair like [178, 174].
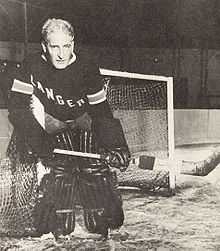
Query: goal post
[131, 94]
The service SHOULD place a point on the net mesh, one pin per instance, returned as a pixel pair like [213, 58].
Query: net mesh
[144, 179]
[141, 106]
[18, 190]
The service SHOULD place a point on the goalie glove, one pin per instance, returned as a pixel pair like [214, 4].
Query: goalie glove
[118, 158]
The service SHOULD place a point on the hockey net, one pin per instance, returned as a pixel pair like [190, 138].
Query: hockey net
[144, 105]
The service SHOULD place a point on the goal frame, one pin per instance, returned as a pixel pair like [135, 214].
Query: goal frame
[170, 107]
[173, 170]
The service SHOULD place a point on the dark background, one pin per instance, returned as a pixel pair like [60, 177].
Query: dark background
[189, 29]
[119, 23]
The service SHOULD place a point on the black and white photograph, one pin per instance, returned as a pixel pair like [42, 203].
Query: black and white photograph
[109, 125]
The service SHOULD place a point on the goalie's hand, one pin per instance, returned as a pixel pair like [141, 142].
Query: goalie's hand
[118, 158]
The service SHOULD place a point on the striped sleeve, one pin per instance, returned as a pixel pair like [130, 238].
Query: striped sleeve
[97, 97]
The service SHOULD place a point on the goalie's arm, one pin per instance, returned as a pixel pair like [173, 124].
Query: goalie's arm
[111, 142]
[108, 131]
[100, 110]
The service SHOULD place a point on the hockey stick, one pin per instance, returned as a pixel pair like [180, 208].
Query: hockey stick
[143, 161]
[78, 154]
[147, 160]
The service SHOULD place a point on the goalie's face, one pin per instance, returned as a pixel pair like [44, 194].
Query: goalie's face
[59, 49]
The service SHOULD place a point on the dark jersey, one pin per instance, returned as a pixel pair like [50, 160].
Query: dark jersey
[65, 94]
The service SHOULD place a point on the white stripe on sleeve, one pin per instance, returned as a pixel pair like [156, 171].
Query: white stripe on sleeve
[22, 87]
[97, 97]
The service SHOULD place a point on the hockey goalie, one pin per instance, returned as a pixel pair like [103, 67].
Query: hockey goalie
[57, 100]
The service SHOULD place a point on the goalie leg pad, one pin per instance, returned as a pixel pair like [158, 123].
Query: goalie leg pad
[101, 201]
[54, 210]
[44, 213]
[65, 202]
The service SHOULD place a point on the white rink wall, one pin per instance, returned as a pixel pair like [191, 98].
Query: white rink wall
[197, 126]
[5, 132]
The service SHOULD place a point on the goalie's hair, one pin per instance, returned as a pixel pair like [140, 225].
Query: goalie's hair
[53, 24]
